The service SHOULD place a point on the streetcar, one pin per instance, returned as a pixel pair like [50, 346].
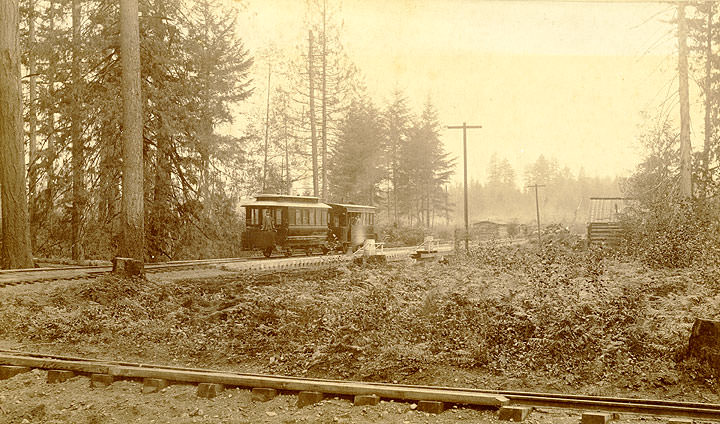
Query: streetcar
[285, 223]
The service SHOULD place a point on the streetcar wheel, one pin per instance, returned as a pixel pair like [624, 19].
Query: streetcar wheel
[288, 252]
[267, 252]
[308, 251]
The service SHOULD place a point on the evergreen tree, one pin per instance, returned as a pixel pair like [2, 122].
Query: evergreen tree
[357, 156]
[426, 168]
[396, 125]
[16, 249]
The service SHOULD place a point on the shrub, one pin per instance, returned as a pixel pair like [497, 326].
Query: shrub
[673, 234]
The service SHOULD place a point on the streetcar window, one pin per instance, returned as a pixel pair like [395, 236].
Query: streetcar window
[278, 216]
[323, 217]
[306, 217]
[298, 217]
[255, 216]
[291, 217]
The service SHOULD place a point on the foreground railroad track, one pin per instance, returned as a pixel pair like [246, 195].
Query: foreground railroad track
[33, 275]
[430, 398]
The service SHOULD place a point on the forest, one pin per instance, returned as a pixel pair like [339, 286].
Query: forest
[194, 70]
[320, 133]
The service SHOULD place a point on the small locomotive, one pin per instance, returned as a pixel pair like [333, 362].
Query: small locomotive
[284, 223]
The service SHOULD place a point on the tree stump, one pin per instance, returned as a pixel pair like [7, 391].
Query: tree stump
[128, 266]
[705, 342]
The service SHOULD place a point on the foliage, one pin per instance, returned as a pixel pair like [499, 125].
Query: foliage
[357, 156]
[194, 69]
[424, 169]
[503, 309]
[394, 235]
[662, 229]
[673, 234]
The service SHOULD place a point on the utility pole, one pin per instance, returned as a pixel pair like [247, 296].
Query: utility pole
[465, 127]
[537, 211]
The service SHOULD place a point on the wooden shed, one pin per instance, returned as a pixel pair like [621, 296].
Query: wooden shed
[604, 222]
[488, 230]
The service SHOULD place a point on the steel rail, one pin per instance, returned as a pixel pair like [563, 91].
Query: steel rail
[329, 387]
[536, 399]
[236, 264]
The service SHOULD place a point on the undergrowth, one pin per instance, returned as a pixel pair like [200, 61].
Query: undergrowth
[575, 314]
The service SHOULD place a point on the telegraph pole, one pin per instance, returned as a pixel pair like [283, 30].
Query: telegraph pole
[465, 127]
[537, 211]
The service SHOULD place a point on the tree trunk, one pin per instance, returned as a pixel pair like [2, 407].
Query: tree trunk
[267, 133]
[160, 218]
[288, 182]
[133, 240]
[32, 124]
[78, 195]
[708, 87]
[16, 250]
[313, 136]
[685, 149]
[50, 151]
[324, 107]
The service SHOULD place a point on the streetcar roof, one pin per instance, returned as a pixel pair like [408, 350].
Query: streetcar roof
[278, 204]
[354, 208]
[286, 198]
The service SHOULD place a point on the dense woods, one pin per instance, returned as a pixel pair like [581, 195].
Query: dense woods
[80, 121]
[319, 133]
[675, 221]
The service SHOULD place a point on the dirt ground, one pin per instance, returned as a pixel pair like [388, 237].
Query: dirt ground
[571, 326]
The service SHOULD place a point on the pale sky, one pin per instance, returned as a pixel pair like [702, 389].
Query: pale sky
[565, 79]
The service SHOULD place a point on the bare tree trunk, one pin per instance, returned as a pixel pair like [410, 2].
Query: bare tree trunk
[267, 132]
[16, 250]
[324, 106]
[288, 182]
[32, 123]
[50, 151]
[78, 192]
[685, 149]
[133, 240]
[159, 234]
[313, 136]
[708, 87]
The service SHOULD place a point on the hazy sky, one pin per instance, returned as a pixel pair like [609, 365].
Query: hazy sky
[564, 79]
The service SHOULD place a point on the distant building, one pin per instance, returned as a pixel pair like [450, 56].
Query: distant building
[604, 221]
[488, 230]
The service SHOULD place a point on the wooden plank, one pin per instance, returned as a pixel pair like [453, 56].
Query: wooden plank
[334, 387]
[54, 364]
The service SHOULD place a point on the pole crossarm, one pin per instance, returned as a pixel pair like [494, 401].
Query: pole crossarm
[465, 127]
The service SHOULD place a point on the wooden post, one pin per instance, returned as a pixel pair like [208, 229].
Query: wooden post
[465, 127]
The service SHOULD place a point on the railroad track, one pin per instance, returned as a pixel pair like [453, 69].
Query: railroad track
[34, 275]
[437, 397]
